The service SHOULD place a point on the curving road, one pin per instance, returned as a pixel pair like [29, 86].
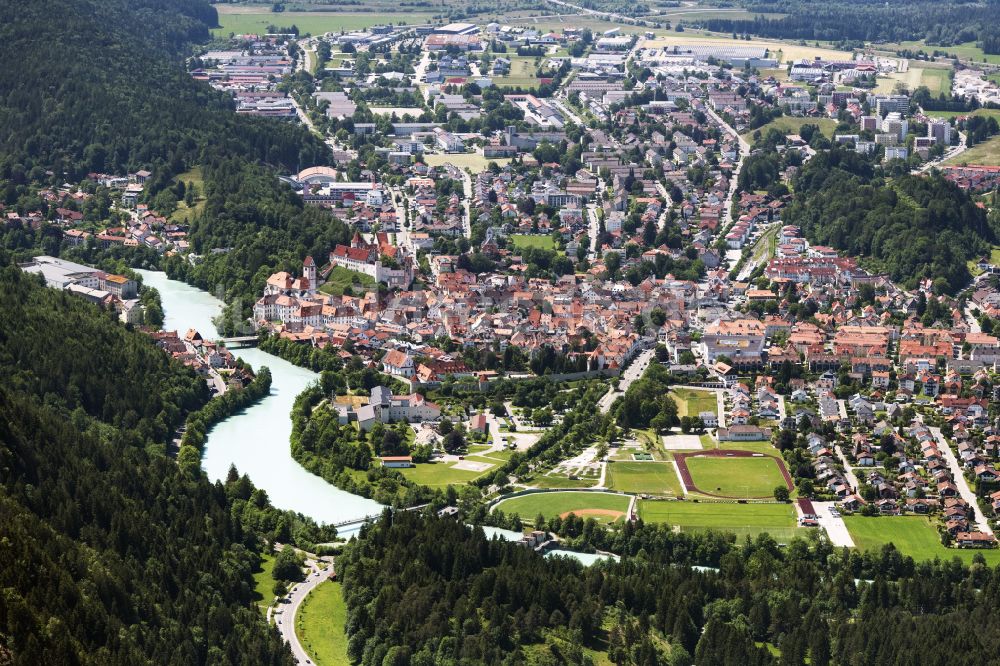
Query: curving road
[284, 616]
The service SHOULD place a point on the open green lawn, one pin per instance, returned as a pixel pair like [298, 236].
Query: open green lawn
[986, 153]
[604, 507]
[439, 474]
[551, 481]
[735, 477]
[340, 278]
[777, 519]
[319, 625]
[792, 125]
[183, 213]
[978, 112]
[312, 23]
[639, 477]
[263, 582]
[691, 402]
[915, 536]
[522, 241]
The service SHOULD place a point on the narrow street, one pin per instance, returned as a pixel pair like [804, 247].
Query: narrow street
[631, 373]
[963, 486]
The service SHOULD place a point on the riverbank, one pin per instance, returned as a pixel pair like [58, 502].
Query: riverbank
[256, 439]
[221, 407]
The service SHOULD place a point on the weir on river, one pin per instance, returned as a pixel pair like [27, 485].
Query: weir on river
[256, 440]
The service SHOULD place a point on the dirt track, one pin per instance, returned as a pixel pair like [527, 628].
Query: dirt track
[682, 467]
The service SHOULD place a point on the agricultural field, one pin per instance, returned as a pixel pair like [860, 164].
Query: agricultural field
[522, 241]
[319, 625]
[779, 520]
[474, 162]
[341, 278]
[653, 478]
[603, 507]
[791, 125]
[782, 51]
[986, 153]
[735, 477]
[254, 19]
[915, 536]
[442, 474]
[691, 402]
[968, 51]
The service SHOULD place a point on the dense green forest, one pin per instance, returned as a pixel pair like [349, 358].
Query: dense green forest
[940, 23]
[100, 85]
[118, 98]
[113, 553]
[910, 227]
[461, 598]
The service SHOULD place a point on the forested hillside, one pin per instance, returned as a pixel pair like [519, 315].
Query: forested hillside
[101, 86]
[910, 227]
[940, 23]
[425, 591]
[113, 554]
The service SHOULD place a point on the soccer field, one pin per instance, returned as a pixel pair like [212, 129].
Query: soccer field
[603, 507]
[735, 477]
[654, 478]
[742, 519]
[691, 402]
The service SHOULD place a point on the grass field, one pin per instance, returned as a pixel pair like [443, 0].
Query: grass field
[523, 72]
[263, 582]
[474, 162]
[190, 177]
[439, 474]
[312, 23]
[969, 50]
[742, 519]
[340, 278]
[986, 153]
[639, 477]
[691, 402]
[790, 125]
[915, 536]
[735, 477]
[604, 507]
[552, 481]
[936, 79]
[319, 625]
[522, 241]
[978, 112]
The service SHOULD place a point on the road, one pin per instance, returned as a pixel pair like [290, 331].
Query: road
[594, 230]
[466, 203]
[631, 373]
[852, 478]
[594, 12]
[963, 486]
[565, 110]
[304, 117]
[285, 616]
[836, 528]
[951, 153]
[971, 320]
[727, 206]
